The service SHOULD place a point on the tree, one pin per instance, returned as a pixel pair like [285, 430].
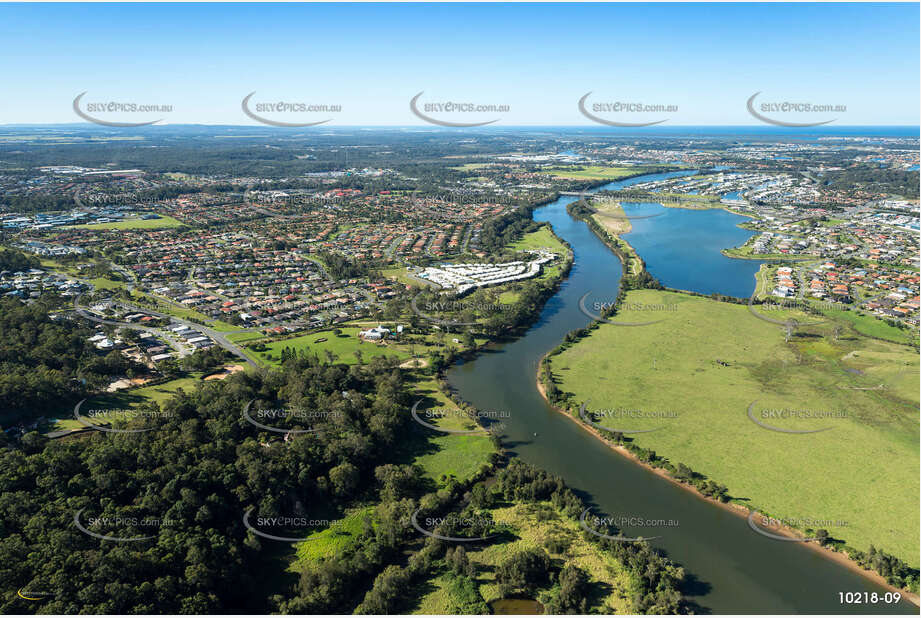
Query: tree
[458, 562]
[344, 479]
[396, 481]
[574, 588]
[481, 497]
[523, 572]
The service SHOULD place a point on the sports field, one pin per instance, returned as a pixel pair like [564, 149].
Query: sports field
[862, 470]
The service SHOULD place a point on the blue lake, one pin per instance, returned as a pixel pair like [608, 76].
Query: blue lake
[681, 248]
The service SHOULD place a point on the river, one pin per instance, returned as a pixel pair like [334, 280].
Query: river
[733, 569]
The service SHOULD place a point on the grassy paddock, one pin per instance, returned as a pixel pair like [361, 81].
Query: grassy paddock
[592, 172]
[127, 400]
[343, 346]
[719, 359]
[447, 454]
[134, 224]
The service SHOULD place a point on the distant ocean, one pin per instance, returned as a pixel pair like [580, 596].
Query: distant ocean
[741, 132]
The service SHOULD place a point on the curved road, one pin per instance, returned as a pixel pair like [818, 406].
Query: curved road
[217, 337]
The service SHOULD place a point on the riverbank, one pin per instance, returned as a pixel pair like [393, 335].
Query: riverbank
[736, 509]
[628, 256]
[764, 486]
[742, 570]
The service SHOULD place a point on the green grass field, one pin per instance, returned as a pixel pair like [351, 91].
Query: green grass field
[455, 455]
[124, 400]
[592, 172]
[872, 326]
[239, 338]
[719, 359]
[543, 238]
[134, 224]
[401, 276]
[179, 311]
[101, 283]
[342, 346]
[471, 166]
[332, 540]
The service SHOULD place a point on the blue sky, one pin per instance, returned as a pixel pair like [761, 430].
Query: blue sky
[538, 59]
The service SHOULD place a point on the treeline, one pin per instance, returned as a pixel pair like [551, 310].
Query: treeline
[187, 483]
[16, 261]
[483, 313]
[628, 258]
[397, 559]
[340, 267]
[37, 202]
[498, 232]
[899, 182]
[46, 363]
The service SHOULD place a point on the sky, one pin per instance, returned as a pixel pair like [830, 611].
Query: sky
[537, 60]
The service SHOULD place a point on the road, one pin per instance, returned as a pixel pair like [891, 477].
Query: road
[218, 337]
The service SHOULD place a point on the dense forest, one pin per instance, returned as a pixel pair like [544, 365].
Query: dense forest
[180, 490]
[15, 261]
[898, 182]
[194, 475]
[44, 362]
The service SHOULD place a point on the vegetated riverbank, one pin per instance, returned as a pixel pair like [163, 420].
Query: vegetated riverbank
[902, 576]
[633, 264]
[535, 513]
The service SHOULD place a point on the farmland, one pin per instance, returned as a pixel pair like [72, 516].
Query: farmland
[593, 172]
[162, 222]
[720, 360]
